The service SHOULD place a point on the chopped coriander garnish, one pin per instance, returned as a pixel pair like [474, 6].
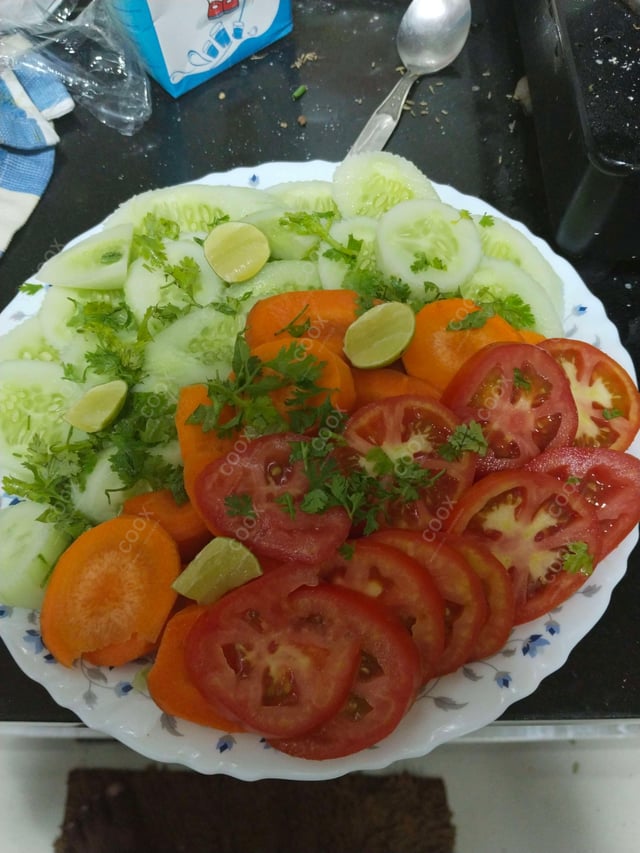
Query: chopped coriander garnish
[465, 438]
[609, 414]
[239, 506]
[577, 559]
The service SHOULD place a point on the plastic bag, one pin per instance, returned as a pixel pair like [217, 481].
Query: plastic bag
[90, 53]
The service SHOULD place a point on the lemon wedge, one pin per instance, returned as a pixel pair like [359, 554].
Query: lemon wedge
[380, 335]
[236, 251]
[98, 407]
[222, 565]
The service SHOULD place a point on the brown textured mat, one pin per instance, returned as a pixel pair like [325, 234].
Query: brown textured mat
[162, 811]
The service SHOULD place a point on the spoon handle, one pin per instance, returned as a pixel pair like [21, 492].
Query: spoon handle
[383, 121]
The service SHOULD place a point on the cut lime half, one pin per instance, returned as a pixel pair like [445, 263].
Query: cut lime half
[236, 251]
[98, 407]
[380, 335]
[222, 565]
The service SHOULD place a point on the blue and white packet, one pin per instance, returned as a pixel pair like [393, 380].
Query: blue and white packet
[29, 99]
[183, 44]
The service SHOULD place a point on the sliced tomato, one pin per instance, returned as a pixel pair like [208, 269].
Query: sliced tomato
[279, 669]
[522, 398]
[466, 608]
[412, 429]
[384, 686]
[533, 525]
[402, 585]
[253, 494]
[499, 592]
[608, 479]
[606, 396]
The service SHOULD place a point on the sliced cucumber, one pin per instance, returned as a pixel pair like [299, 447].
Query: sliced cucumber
[424, 240]
[58, 307]
[494, 278]
[333, 269]
[34, 395]
[27, 341]
[102, 494]
[195, 207]
[371, 183]
[194, 348]
[30, 550]
[285, 245]
[502, 240]
[276, 277]
[147, 286]
[98, 262]
[312, 196]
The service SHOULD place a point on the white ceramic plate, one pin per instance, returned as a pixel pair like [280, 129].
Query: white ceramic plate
[111, 702]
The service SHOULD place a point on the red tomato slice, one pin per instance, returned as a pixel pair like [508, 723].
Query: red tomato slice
[412, 428]
[385, 684]
[532, 524]
[466, 608]
[498, 589]
[402, 585]
[239, 495]
[279, 669]
[521, 397]
[608, 479]
[606, 396]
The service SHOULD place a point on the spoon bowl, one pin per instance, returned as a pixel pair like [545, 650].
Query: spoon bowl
[430, 36]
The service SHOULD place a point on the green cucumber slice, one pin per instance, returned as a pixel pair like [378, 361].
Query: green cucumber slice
[312, 196]
[423, 240]
[103, 491]
[371, 183]
[284, 244]
[194, 348]
[30, 550]
[333, 269]
[502, 240]
[98, 262]
[494, 278]
[276, 277]
[34, 395]
[195, 207]
[146, 286]
[28, 342]
[58, 307]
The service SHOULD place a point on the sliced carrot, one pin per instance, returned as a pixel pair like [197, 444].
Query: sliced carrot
[118, 654]
[336, 376]
[374, 385]
[197, 446]
[181, 521]
[529, 336]
[437, 351]
[112, 582]
[168, 680]
[323, 315]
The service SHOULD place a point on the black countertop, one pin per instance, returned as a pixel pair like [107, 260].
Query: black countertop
[464, 129]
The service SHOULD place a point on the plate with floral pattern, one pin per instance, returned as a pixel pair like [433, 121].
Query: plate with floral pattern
[114, 701]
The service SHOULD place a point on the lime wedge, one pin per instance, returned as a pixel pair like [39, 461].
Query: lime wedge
[380, 335]
[98, 407]
[223, 564]
[236, 251]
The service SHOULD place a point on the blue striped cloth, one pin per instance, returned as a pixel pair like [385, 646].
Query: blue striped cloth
[30, 98]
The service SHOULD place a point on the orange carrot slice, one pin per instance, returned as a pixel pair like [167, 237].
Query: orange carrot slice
[336, 376]
[383, 382]
[168, 680]
[181, 521]
[322, 315]
[112, 582]
[437, 352]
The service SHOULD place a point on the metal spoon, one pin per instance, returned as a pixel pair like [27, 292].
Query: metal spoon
[431, 34]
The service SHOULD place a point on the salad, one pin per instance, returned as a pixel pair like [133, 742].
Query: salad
[345, 408]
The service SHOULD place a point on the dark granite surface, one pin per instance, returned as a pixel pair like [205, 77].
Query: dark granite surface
[464, 129]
